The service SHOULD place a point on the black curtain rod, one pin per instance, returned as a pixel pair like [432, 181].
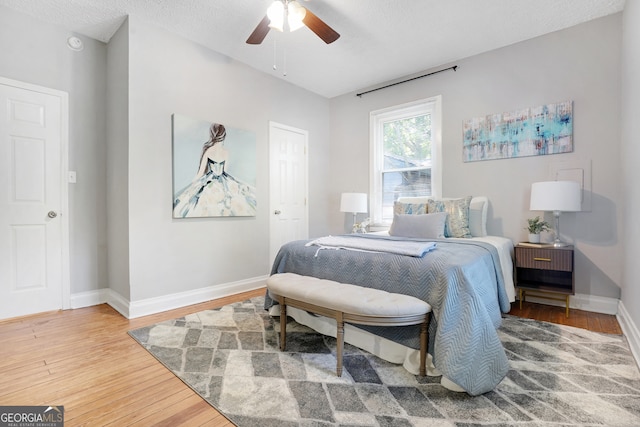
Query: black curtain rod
[408, 80]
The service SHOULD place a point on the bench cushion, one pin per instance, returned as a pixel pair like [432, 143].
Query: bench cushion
[345, 297]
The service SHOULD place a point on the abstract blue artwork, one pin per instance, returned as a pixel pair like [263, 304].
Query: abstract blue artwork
[536, 131]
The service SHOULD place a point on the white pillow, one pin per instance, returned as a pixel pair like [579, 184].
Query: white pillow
[478, 216]
[424, 226]
[477, 212]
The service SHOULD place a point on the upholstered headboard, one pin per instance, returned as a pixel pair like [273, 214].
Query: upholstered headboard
[477, 212]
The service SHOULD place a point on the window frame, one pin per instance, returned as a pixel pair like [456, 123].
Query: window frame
[377, 118]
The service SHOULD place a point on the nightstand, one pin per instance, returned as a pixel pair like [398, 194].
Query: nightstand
[544, 272]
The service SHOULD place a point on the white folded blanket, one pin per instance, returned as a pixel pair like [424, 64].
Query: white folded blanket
[398, 247]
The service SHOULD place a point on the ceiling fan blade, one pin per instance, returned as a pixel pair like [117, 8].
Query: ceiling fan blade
[260, 32]
[322, 30]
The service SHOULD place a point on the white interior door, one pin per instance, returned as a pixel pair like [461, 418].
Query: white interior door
[32, 199]
[288, 186]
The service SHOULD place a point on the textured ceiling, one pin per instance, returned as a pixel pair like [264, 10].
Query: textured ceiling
[381, 40]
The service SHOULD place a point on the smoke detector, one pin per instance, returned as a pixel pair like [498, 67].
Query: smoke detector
[75, 43]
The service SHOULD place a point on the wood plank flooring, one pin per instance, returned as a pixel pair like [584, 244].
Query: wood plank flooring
[84, 359]
[596, 322]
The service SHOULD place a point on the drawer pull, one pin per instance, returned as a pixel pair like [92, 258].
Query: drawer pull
[542, 259]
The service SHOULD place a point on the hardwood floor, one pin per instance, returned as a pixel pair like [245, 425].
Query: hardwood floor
[84, 359]
[596, 322]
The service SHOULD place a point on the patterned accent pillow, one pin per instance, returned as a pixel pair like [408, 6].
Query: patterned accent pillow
[400, 208]
[457, 224]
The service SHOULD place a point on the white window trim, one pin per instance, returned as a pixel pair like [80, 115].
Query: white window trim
[431, 105]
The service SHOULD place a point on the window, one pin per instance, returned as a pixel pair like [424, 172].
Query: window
[405, 155]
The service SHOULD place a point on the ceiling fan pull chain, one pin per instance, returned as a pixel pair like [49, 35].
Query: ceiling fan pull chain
[275, 47]
[284, 62]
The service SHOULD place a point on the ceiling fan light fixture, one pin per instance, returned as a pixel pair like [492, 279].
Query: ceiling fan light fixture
[276, 15]
[296, 14]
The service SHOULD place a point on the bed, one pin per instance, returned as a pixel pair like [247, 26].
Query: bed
[467, 280]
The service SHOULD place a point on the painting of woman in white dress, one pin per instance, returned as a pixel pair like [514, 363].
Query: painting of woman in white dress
[220, 179]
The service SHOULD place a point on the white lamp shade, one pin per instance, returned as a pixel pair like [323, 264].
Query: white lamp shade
[561, 196]
[275, 13]
[296, 14]
[353, 202]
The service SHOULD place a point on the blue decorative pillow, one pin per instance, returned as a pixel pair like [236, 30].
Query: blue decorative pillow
[457, 224]
[400, 208]
[429, 226]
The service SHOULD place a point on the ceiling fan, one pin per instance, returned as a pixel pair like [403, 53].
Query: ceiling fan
[296, 16]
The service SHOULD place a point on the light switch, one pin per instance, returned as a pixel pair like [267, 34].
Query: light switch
[72, 177]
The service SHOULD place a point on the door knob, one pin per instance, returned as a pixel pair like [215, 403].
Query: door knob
[277, 212]
[52, 214]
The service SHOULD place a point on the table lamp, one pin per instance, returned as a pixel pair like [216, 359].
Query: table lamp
[354, 203]
[556, 196]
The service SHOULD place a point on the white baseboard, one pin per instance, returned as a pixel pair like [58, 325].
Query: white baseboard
[630, 330]
[101, 296]
[584, 302]
[182, 299]
[133, 309]
[119, 303]
[89, 298]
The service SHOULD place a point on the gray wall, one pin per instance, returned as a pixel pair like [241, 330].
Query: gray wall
[120, 146]
[35, 52]
[630, 155]
[169, 74]
[145, 88]
[117, 161]
[580, 64]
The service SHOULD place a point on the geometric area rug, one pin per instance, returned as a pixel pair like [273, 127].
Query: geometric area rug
[559, 376]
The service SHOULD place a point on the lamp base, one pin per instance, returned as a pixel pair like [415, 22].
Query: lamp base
[557, 243]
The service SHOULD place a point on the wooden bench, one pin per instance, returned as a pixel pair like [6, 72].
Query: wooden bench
[348, 303]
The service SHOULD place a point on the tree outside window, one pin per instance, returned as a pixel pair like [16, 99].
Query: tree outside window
[403, 141]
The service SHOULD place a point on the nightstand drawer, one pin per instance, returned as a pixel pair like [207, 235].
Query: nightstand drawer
[544, 259]
[545, 272]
